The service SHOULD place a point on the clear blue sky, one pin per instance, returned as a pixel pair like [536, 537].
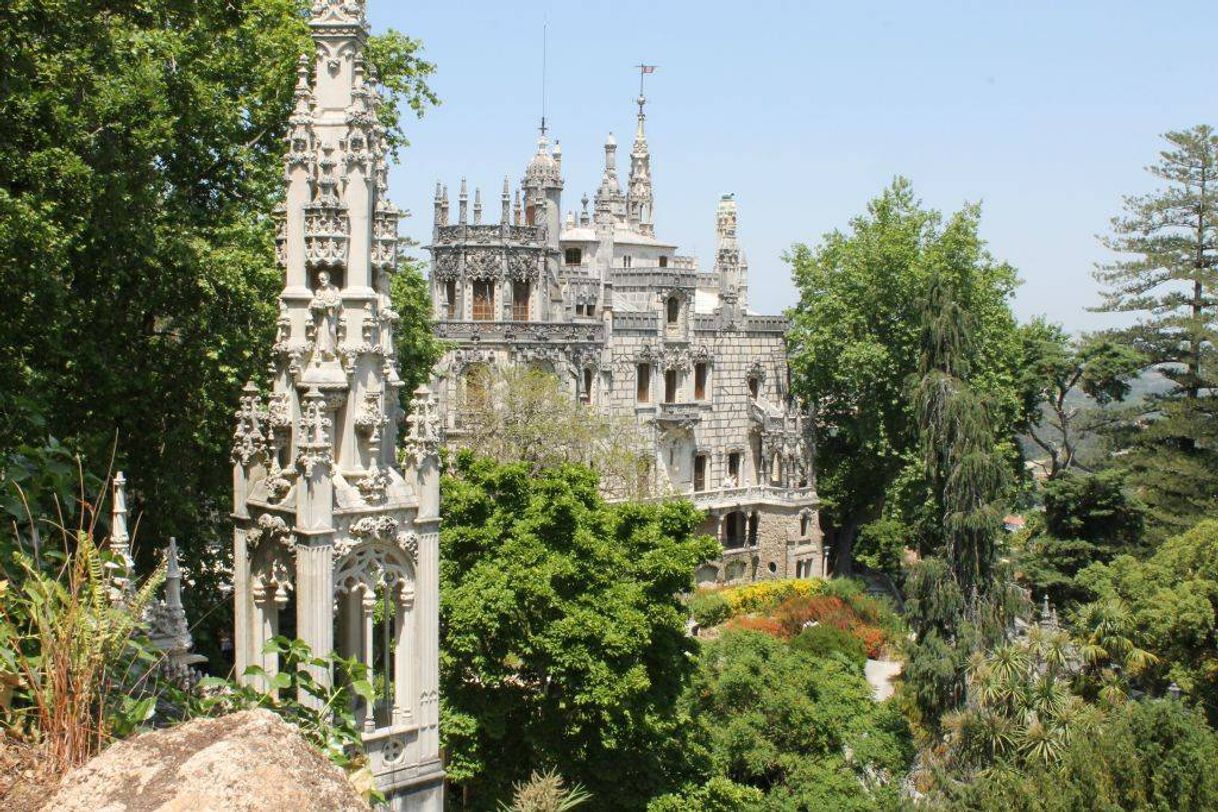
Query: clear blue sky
[1045, 112]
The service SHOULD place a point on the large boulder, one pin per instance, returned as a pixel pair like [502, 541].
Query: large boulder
[247, 761]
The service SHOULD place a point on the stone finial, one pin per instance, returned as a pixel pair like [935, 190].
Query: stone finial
[120, 540]
[463, 203]
[477, 207]
[505, 216]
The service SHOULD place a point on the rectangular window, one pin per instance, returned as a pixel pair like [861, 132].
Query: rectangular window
[587, 393]
[644, 383]
[670, 386]
[699, 473]
[484, 301]
[520, 301]
[733, 467]
[450, 299]
[701, 372]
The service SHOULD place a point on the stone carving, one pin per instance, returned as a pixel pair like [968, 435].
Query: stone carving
[368, 566]
[371, 418]
[315, 425]
[374, 484]
[375, 527]
[250, 437]
[326, 308]
[270, 529]
[408, 542]
[423, 440]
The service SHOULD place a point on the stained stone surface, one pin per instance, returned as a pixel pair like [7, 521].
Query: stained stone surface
[247, 761]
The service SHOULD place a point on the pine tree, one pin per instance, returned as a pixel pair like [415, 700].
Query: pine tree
[1169, 274]
[1169, 239]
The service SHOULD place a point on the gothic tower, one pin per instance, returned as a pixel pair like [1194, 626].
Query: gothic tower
[641, 202]
[329, 530]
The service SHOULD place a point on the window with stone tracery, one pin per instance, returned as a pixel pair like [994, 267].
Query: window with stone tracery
[520, 300]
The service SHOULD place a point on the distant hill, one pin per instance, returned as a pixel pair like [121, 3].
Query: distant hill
[1150, 383]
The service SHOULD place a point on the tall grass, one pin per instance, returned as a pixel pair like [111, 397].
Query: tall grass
[70, 651]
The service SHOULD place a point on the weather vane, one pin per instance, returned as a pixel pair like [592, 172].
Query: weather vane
[644, 70]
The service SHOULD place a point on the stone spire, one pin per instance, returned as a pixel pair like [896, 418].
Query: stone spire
[328, 525]
[639, 197]
[610, 203]
[730, 267]
[120, 539]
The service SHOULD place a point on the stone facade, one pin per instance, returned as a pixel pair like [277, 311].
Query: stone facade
[328, 527]
[633, 328]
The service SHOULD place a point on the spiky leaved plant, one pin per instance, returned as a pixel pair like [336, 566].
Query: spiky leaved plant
[546, 792]
[68, 647]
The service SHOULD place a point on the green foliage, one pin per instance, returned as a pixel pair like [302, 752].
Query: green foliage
[719, 794]
[1165, 274]
[881, 546]
[140, 158]
[1165, 606]
[417, 347]
[708, 608]
[321, 710]
[855, 342]
[802, 729]
[1055, 371]
[563, 639]
[1088, 519]
[73, 663]
[1155, 755]
[824, 641]
[546, 792]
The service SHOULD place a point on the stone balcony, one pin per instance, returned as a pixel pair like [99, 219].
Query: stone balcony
[680, 415]
[729, 498]
[520, 331]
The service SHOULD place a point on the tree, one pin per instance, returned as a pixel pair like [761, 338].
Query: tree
[1167, 606]
[1155, 755]
[802, 729]
[1056, 371]
[563, 636]
[140, 158]
[1166, 272]
[854, 342]
[522, 414]
[1088, 519]
[1169, 243]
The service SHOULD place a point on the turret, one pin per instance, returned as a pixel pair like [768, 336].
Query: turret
[639, 198]
[543, 190]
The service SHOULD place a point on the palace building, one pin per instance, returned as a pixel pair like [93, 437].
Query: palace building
[633, 328]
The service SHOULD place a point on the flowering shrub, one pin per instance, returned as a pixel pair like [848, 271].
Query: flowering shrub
[764, 596]
[754, 623]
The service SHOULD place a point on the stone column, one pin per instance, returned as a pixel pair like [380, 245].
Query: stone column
[314, 599]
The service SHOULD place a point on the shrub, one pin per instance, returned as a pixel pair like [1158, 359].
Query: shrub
[764, 596]
[824, 641]
[71, 655]
[754, 623]
[709, 608]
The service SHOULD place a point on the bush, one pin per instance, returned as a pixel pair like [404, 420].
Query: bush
[824, 641]
[764, 596]
[754, 623]
[708, 608]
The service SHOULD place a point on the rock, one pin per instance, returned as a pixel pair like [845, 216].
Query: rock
[247, 761]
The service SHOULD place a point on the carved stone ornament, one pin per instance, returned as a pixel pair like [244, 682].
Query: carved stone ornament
[374, 485]
[422, 442]
[315, 448]
[370, 419]
[408, 542]
[250, 437]
[375, 527]
[270, 529]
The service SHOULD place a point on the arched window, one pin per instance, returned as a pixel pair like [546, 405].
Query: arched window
[574, 256]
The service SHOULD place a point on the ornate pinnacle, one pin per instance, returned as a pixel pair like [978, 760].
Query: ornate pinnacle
[339, 12]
